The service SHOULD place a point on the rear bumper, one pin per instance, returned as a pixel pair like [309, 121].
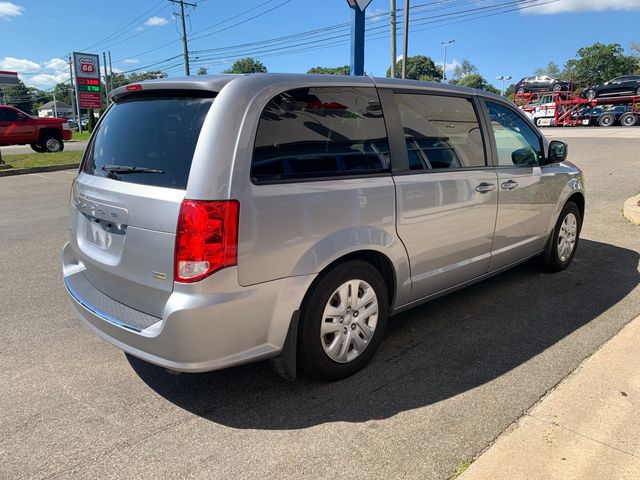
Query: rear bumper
[209, 325]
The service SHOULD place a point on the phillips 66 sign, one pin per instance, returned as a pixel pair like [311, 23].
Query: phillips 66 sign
[87, 70]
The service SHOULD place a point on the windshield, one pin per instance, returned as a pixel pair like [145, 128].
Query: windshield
[148, 140]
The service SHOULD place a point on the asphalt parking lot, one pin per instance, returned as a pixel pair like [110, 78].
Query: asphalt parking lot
[449, 378]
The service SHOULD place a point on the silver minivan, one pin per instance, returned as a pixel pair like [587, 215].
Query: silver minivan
[221, 220]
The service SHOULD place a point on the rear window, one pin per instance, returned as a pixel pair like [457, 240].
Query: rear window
[148, 140]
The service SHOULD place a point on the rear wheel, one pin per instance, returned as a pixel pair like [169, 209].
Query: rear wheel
[343, 320]
[36, 147]
[628, 119]
[564, 239]
[52, 143]
[557, 87]
[638, 91]
[520, 91]
[606, 120]
[591, 94]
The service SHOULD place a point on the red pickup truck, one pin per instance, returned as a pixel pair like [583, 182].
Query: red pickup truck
[43, 134]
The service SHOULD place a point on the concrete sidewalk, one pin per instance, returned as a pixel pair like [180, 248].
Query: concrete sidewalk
[587, 428]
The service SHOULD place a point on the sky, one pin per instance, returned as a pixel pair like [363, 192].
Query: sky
[500, 37]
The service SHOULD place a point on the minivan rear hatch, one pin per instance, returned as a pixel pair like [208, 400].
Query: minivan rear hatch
[126, 198]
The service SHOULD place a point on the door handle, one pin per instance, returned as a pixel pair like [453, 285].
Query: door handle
[485, 187]
[510, 185]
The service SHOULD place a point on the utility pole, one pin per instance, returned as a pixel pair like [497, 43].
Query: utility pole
[392, 14]
[405, 47]
[55, 106]
[106, 82]
[185, 47]
[110, 71]
[444, 62]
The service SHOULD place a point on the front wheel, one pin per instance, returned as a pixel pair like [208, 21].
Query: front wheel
[343, 320]
[36, 147]
[564, 239]
[591, 94]
[53, 144]
[557, 87]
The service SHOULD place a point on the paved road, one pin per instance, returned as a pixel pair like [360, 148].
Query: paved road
[68, 146]
[449, 378]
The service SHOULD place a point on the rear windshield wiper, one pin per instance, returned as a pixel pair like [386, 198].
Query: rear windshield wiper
[129, 169]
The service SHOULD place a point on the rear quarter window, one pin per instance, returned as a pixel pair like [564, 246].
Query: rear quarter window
[316, 132]
[148, 140]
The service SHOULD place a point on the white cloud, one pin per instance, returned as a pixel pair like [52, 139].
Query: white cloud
[46, 79]
[18, 65]
[567, 6]
[131, 61]
[56, 64]
[156, 21]
[377, 14]
[8, 10]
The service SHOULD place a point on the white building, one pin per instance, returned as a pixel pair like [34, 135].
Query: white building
[62, 110]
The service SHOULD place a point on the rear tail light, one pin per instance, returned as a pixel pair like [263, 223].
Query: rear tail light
[206, 238]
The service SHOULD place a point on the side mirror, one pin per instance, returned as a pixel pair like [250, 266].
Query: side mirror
[557, 151]
[524, 156]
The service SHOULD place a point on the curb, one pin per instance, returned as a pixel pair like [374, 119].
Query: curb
[50, 168]
[631, 209]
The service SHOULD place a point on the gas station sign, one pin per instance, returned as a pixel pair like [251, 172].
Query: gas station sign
[87, 70]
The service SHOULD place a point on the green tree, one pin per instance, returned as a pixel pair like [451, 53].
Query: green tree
[344, 70]
[19, 96]
[475, 80]
[142, 76]
[62, 91]
[511, 89]
[552, 70]
[92, 120]
[202, 71]
[247, 65]
[600, 63]
[463, 69]
[419, 67]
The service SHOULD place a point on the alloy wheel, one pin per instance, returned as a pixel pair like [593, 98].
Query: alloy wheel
[567, 237]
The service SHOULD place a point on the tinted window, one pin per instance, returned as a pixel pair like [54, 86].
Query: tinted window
[156, 136]
[320, 132]
[8, 115]
[516, 141]
[440, 132]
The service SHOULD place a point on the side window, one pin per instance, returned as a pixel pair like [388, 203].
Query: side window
[8, 115]
[321, 132]
[517, 143]
[440, 132]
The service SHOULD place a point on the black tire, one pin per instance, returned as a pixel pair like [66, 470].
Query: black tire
[591, 94]
[628, 119]
[52, 143]
[552, 259]
[557, 87]
[606, 120]
[36, 147]
[638, 91]
[311, 353]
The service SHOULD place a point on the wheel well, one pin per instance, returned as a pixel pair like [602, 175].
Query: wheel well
[578, 199]
[50, 132]
[378, 260]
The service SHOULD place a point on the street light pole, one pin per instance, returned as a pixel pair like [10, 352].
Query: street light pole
[503, 78]
[392, 14]
[444, 62]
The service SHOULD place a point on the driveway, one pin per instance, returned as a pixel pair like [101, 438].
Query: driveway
[448, 379]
